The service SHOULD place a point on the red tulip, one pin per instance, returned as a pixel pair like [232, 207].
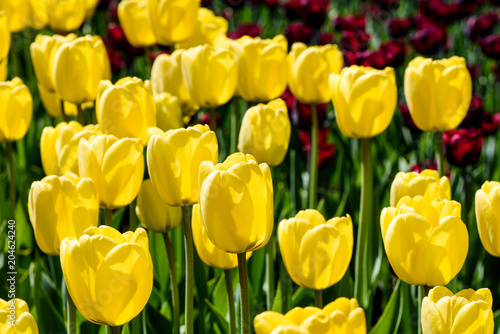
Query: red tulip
[463, 147]
[297, 32]
[350, 22]
[490, 124]
[326, 150]
[400, 27]
[354, 40]
[249, 29]
[480, 26]
[474, 116]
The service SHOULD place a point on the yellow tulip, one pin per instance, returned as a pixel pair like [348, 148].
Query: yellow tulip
[17, 13]
[309, 320]
[116, 167]
[236, 199]
[467, 311]
[78, 68]
[166, 77]
[168, 112]
[109, 275]
[4, 36]
[133, 18]
[174, 158]
[426, 184]
[67, 15]
[52, 103]
[309, 70]
[364, 99]
[209, 75]
[16, 110]
[438, 92]
[316, 253]
[61, 207]
[3, 70]
[265, 132]
[426, 241]
[262, 67]
[43, 51]
[153, 213]
[127, 108]
[346, 316]
[90, 8]
[17, 311]
[38, 15]
[173, 20]
[209, 30]
[488, 216]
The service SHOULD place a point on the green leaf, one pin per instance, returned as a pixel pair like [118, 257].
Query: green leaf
[219, 318]
[391, 318]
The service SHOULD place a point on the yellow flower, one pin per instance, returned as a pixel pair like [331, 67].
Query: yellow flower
[209, 75]
[38, 15]
[78, 68]
[364, 99]
[168, 112]
[265, 132]
[488, 216]
[127, 108]
[309, 69]
[316, 252]
[67, 15]
[426, 184]
[262, 67]
[61, 207]
[3, 70]
[174, 158]
[17, 13]
[16, 110]
[426, 241]
[467, 311]
[90, 8]
[236, 199]
[346, 316]
[16, 310]
[52, 103]
[309, 320]
[43, 51]
[133, 18]
[109, 275]
[4, 36]
[153, 213]
[115, 166]
[438, 92]
[173, 20]
[209, 30]
[59, 146]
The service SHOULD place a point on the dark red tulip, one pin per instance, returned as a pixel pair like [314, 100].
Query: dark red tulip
[300, 114]
[116, 61]
[463, 147]
[474, 116]
[235, 4]
[326, 150]
[294, 9]
[480, 26]
[326, 38]
[354, 40]
[271, 4]
[116, 37]
[406, 118]
[474, 71]
[315, 13]
[297, 32]
[490, 46]
[350, 22]
[428, 40]
[387, 5]
[490, 124]
[428, 164]
[400, 27]
[249, 29]
[394, 52]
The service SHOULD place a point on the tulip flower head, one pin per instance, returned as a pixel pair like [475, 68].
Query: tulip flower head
[168, 112]
[17, 12]
[16, 110]
[66, 15]
[108, 275]
[487, 216]
[52, 103]
[17, 311]
[4, 36]
[467, 311]
[426, 241]
[209, 30]
[133, 16]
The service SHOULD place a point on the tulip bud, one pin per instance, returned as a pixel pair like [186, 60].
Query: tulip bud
[210, 75]
[425, 183]
[17, 12]
[467, 311]
[463, 147]
[309, 69]
[66, 15]
[126, 109]
[78, 68]
[168, 112]
[297, 321]
[236, 199]
[209, 30]
[16, 110]
[119, 277]
[316, 252]
[426, 242]
[447, 87]
[265, 132]
[364, 99]
[4, 36]
[487, 201]
[174, 158]
[153, 213]
[61, 207]
[116, 167]
[18, 309]
[133, 18]
[346, 315]
[52, 103]
[173, 21]
[262, 67]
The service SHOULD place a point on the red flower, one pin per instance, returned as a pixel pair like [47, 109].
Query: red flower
[429, 39]
[491, 123]
[490, 46]
[354, 40]
[300, 114]
[249, 29]
[326, 150]
[326, 38]
[350, 22]
[115, 60]
[315, 13]
[474, 116]
[394, 52]
[297, 32]
[474, 71]
[293, 9]
[479, 26]
[400, 27]
[463, 147]
[406, 118]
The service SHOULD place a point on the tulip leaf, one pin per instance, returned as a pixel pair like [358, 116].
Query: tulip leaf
[496, 319]
[219, 318]
[391, 318]
[160, 260]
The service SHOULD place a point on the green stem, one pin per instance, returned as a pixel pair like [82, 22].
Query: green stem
[108, 219]
[440, 153]
[245, 300]
[230, 301]
[270, 271]
[293, 177]
[421, 295]
[362, 264]
[80, 114]
[63, 113]
[188, 238]
[114, 329]
[173, 283]
[71, 313]
[213, 120]
[313, 164]
[285, 288]
[234, 125]
[467, 194]
[12, 180]
[318, 298]
[132, 215]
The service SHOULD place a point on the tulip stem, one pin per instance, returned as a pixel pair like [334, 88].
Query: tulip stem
[318, 298]
[132, 216]
[364, 245]
[439, 148]
[230, 301]
[245, 300]
[63, 113]
[108, 217]
[421, 295]
[270, 271]
[234, 125]
[313, 164]
[71, 313]
[114, 329]
[12, 180]
[80, 114]
[173, 283]
[213, 120]
[188, 239]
